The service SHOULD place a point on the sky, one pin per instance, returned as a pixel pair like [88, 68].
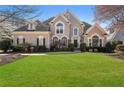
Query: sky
[82, 12]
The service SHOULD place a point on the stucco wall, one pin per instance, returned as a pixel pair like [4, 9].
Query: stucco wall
[31, 37]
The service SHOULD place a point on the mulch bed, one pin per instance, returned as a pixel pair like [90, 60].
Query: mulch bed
[9, 58]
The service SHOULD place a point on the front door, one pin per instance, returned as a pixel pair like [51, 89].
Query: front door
[75, 43]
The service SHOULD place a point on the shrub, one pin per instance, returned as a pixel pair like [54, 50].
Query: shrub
[71, 47]
[5, 45]
[17, 48]
[52, 48]
[101, 49]
[109, 47]
[22, 47]
[41, 49]
[87, 48]
[83, 47]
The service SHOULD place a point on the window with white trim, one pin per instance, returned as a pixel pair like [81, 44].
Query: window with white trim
[20, 40]
[31, 26]
[40, 41]
[59, 28]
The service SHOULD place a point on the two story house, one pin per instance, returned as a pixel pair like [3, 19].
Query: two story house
[60, 30]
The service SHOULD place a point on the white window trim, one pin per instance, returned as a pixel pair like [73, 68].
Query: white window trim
[56, 28]
[33, 26]
[20, 39]
[55, 36]
[40, 40]
[77, 31]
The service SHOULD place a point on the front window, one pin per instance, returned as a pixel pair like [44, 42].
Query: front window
[59, 28]
[20, 40]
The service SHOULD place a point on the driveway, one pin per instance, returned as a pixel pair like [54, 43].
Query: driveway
[8, 58]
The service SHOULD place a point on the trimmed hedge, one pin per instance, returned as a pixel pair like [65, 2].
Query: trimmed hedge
[29, 48]
[83, 47]
[71, 47]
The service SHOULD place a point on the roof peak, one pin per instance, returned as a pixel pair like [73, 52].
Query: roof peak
[67, 11]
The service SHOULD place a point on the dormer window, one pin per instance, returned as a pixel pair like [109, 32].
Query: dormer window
[31, 26]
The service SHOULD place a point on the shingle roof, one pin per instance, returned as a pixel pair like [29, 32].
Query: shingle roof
[87, 26]
[39, 27]
[48, 20]
[44, 26]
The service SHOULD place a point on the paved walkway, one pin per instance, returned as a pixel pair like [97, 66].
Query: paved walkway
[4, 54]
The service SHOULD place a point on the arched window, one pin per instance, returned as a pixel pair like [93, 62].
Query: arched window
[95, 41]
[59, 28]
[55, 41]
[75, 31]
[63, 42]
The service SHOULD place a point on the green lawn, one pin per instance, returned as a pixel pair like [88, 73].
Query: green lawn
[82, 69]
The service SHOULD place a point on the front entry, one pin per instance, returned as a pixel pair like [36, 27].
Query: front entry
[95, 41]
[75, 43]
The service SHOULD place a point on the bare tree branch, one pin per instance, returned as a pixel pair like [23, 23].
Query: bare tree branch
[112, 14]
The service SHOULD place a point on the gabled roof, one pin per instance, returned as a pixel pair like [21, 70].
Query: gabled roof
[61, 16]
[98, 26]
[23, 28]
[39, 27]
[69, 11]
[48, 20]
[87, 26]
